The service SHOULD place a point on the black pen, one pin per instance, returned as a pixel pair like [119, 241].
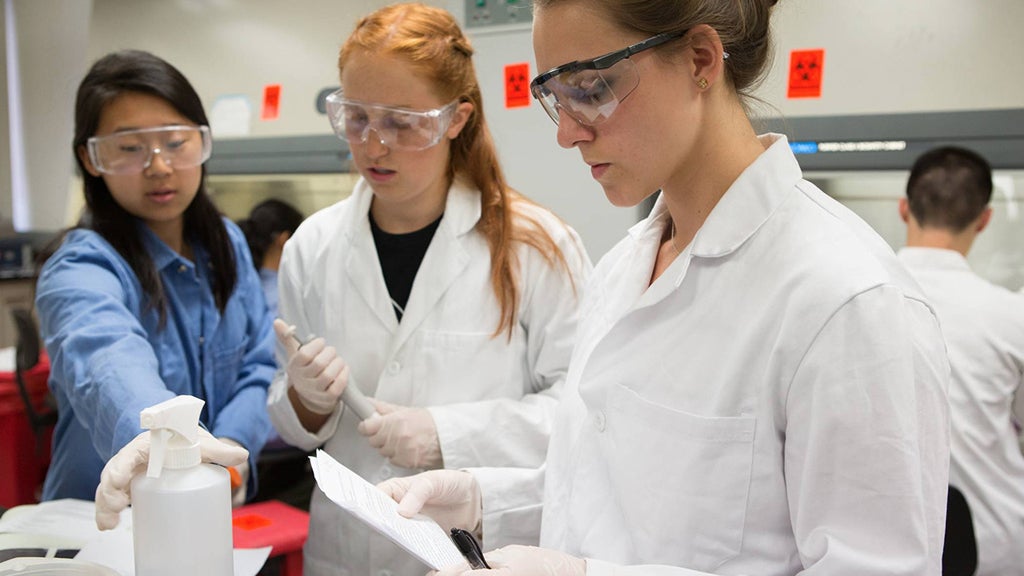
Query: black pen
[469, 548]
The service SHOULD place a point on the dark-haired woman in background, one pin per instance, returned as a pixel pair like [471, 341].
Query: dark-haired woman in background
[152, 294]
[269, 225]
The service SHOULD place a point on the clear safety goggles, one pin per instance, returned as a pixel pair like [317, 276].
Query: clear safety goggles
[590, 90]
[396, 128]
[132, 151]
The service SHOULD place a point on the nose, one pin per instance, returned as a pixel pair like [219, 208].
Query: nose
[571, 132]
[375, 146]
[156, 164]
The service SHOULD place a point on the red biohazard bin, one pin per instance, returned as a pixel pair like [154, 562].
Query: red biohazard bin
[273, 523]
[23, 459]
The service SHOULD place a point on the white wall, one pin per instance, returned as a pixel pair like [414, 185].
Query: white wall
[5, 145]
[236, 47]
[886, 56]
[49, 42]
[881, 56]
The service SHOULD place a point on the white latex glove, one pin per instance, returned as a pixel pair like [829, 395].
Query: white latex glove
[113, 493]
[238, 494]
[451, 497]
[315, 370]
[523, 561]
[405, 436]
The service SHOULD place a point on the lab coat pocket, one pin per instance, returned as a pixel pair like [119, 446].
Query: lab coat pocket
[682, 480]
[468, 366]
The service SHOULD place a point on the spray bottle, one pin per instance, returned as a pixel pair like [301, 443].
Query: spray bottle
[181, 508]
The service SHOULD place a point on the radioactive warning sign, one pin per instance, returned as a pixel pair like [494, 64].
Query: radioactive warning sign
[517, 85]
[805, 73]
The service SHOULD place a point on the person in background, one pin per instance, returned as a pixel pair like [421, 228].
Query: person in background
[435, 288]
[946, 207]
[285, 471]
[758, 386]
[269, 225]
[152, 294]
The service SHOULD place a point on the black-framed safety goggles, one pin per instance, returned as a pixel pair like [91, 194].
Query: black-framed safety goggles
[590, 90]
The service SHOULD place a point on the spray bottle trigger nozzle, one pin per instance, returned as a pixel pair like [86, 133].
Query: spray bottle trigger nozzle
[157, 449]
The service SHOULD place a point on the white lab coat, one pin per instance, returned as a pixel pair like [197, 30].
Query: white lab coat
[984, 329]
[491, 397]
[773, 404]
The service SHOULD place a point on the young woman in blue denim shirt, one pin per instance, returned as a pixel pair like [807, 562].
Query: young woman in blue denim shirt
[153, 293]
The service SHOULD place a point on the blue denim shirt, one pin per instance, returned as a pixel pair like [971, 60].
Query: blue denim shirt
[110, 359]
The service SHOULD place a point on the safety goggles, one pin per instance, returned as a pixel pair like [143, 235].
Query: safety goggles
[396, 128]
[590, 90]
[132, 151]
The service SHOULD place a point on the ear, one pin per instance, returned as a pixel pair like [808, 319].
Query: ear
[708, 62]
[982, 222]
[462, 113]
[83, 155]
[905, 210]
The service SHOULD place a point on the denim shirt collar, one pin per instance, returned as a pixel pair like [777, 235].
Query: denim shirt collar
[162, 254]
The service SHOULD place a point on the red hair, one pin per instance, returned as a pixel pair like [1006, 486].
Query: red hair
[431, 41]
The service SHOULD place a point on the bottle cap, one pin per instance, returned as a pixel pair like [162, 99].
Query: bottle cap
[174, 434]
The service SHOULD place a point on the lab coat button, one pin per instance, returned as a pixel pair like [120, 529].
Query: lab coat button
[394, 367]
[385, 473]
[599, 421]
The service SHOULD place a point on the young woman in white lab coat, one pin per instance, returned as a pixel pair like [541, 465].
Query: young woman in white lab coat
[758, 386]
[440, 292]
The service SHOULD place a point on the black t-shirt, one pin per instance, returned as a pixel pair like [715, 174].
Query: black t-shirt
[400, 256]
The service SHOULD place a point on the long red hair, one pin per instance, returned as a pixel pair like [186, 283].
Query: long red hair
[430, 39]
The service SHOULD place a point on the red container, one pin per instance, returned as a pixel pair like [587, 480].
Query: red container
[273, 523]
[23, 461]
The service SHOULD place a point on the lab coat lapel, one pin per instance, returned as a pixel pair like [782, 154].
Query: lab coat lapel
[362, 267]
[444, 261]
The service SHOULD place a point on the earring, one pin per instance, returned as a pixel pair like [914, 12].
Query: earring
[702, 83]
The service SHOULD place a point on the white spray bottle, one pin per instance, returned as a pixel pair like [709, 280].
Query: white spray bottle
[181, 508]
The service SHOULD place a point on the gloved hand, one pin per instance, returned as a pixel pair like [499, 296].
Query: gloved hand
[523, 561]
[239, 492]
[405, 436]
[451, 497]
[315, 370]
[113, 493]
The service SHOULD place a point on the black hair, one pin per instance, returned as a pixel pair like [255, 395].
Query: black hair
[949, 187]
[135, 71]
[265, 220]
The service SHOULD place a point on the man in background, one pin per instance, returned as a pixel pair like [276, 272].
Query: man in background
[946, 207]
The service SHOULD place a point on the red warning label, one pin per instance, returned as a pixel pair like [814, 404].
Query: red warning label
[806, 69]
[271, 101]
[517, 85]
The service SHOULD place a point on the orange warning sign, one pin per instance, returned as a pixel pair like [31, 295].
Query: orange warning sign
[805, 73]
[271, 101]
[517, 85]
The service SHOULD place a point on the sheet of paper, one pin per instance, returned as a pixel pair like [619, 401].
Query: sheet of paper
[71, 524]
[67, 519]
[420, 536]
[114, 549]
